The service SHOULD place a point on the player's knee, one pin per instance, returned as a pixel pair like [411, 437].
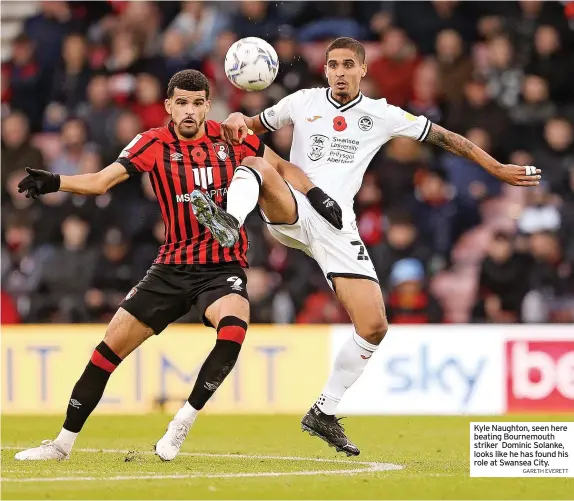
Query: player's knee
[374, 331]
[258, 164]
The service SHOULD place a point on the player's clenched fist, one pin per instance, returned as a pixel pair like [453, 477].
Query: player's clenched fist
[326, 206]
[38, 182]
[234, 129]
[518, 175]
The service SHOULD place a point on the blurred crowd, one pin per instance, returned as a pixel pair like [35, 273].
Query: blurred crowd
[450, 244]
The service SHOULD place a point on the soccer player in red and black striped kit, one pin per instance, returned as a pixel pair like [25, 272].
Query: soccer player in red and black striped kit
[196, 266]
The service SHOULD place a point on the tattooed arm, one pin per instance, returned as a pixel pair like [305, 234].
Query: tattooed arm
[512, 174]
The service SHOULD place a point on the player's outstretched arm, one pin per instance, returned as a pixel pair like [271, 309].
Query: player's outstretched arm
[39, 182]
[515, 175]
[234, 128]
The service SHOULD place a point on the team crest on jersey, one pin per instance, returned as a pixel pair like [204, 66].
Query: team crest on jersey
[365, 123]
[318, 147]
[221, 150]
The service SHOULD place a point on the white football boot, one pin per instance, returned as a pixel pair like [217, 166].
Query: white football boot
[169, 445]
[48, 450]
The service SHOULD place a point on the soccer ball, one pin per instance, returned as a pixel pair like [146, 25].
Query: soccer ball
[251, 64]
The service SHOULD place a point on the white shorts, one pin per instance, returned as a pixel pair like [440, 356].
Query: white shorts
[339, 253]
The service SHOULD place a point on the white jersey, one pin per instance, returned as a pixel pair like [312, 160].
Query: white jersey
[334, 143]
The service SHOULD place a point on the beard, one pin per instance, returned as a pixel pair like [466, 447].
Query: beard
[191, 130]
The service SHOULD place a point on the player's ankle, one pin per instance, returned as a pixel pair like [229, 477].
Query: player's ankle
[65, 440]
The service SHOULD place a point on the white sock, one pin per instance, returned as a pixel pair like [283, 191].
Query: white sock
[349, 365]
[187, 414]
[66, 440]
[243, 193]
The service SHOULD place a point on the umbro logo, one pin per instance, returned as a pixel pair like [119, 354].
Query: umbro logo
[74, 403]
[176, 156]
[316, 117]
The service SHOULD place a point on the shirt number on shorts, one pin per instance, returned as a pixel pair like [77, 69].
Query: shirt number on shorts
[362, 255]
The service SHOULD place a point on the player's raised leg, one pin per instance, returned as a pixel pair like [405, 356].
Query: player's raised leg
[124, 334]
[254, 181]
[230, 315]
[363, 301]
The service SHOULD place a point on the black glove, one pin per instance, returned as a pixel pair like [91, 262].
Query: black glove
[38, 182]
[326, 206]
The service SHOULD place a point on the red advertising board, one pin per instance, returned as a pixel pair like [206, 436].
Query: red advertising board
[540, 376]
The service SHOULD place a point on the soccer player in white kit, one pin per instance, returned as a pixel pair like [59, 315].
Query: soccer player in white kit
[337, 131]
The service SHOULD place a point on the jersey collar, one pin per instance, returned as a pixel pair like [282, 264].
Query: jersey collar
[343, 107]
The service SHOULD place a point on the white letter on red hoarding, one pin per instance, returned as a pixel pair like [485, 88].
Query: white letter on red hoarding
[565, 375]
[523, 361]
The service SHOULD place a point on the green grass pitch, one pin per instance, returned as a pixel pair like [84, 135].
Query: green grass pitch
[261, 457]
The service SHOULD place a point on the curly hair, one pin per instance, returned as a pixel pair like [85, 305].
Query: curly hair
[347, 43]
[192, 80]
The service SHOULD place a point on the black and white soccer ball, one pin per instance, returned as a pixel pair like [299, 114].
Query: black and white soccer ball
[251, 64]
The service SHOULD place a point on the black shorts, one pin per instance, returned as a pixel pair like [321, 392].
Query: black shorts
[168, 291]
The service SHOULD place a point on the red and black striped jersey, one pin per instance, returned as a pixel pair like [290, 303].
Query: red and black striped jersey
[176, 168]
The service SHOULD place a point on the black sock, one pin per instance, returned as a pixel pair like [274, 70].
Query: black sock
[90, 387]
[220, 362]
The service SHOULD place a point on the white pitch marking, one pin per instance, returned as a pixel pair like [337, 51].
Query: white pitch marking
[369, 467]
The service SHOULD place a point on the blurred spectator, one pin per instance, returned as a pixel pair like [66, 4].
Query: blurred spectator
[471, 182]
[532, 112]
[551, 62]
[551, 283]
[396, 167]
[503, 282]
[71, 79]
[65, 275]
[112, 278]
[293, 71]
[254, 20]
[394, 70]
[126, 126]
[261, 285]
[369, 212]
[329, 21]
[401, 242]
[149, 104]
[199, 24]
[434, 208]
[425, 99]
[74, 145]
[430, 19]
[409, 301]
[48, 30]
[17, 150]
[503, 74]
[214, 68]
[556, 155]
[541, 212]
[528, 15]
[478, 110]
[322, 307]
[99, 113]
[24, 80]
[454, 67]
[174, 54]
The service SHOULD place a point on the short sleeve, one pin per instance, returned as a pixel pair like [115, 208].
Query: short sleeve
[279, 115]
[139, 156]
[252, 146]
[400, 123]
